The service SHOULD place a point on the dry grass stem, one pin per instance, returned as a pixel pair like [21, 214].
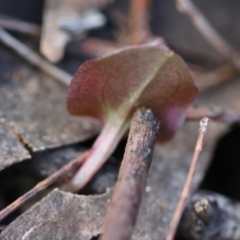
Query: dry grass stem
[187, 186]
[228, 117]
[20, 26]
[208, 31]
[212, 78]
[33, 58]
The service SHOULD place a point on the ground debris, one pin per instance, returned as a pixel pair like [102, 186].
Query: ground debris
[167, 174]
[45, 163]
[34, 107]
[60, 215]
[212, 216]
[166, 178]
[184, 36]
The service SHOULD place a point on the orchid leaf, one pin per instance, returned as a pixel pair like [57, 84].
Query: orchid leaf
[112, 87]
[150, 76]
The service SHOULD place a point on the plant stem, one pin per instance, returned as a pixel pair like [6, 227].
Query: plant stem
[103, 147]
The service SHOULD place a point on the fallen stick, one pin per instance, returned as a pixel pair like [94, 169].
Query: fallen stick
[33, 58]
[216, 76]
[218, 114]
[20, 26]
[204, 81]
[208, 32]
[123, 210]
[187, 186]
[70, 167]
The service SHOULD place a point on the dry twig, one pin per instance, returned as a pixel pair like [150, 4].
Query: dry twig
[187, 186]
[123, 210]
[211, 35]
[33, 58]
[208, 32]
[138, 21]
[70, 167]
[212, 78]
[19, 26]
[215, 113]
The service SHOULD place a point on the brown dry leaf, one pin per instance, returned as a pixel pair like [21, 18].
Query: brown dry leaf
[34, 107]
[60, 215]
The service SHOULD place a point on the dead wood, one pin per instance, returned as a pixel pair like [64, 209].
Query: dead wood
[127, 196]
[33, 58]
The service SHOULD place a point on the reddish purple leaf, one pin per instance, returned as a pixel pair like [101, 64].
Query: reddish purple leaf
[111, 85]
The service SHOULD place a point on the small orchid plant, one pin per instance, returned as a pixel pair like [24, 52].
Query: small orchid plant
[111, 88]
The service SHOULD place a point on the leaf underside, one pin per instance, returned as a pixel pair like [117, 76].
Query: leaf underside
[149, 75]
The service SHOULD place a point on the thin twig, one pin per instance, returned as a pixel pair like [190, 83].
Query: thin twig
[20, 26]
[139, 30]
[33, 58]
[123, 210]
[218, 114]
[187, 186]
[71, 166]
[212, 78]
[208, 32]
